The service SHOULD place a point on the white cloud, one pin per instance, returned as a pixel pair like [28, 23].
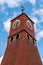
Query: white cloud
[35, 20]
[39, 35]
[15, 3]
[7, 25]
[36, 23]
[2, 8]
[38, 31]
[42, 61]
[41, 3]
[33, 1]
[1, 59]
[38, 12]
[2, 2]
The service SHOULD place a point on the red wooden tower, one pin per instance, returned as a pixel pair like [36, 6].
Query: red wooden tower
[21, 48]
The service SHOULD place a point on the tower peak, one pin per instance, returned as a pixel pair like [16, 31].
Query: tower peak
[22, 8]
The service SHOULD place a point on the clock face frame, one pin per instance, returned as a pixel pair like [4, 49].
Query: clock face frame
[16, 24]
[28, 24]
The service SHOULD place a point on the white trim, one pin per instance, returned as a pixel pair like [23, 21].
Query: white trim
[17, 22]
[28, 24]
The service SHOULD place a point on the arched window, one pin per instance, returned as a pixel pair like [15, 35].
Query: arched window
[12, 38]
[27, 35]
[33, 40]
[17, 36]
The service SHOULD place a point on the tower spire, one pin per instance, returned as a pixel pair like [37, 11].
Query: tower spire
[22, 8]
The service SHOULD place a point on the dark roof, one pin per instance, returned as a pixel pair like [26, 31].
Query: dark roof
[21, 15]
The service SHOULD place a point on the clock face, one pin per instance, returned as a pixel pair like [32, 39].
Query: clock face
[29, 25]
[16, 24]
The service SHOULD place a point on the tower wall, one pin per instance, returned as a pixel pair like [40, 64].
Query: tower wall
[21, 46]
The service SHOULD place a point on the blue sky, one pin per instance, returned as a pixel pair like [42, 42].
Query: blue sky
[9, 9]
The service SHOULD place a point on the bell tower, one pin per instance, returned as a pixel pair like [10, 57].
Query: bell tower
[21, 46]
